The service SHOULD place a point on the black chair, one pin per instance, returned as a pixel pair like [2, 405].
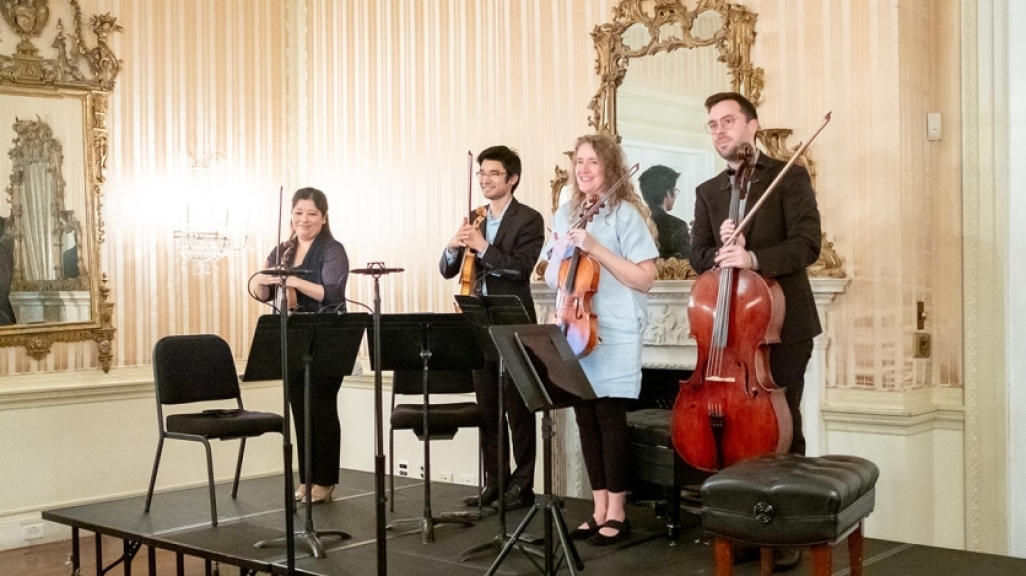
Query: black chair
[444, 419]
[658, 475]
[201, 368]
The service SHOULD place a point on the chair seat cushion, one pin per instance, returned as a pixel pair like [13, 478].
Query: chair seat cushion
[788, 499]
[443, 419]
[224, 423]
[650, 426]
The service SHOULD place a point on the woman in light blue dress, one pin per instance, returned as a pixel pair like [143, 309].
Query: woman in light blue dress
[621, 239]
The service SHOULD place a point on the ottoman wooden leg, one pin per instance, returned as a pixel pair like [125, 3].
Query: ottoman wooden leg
[723, 555]
[765, 561]
[855, 550]
[821, 562]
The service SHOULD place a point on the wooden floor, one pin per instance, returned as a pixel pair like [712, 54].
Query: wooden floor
[180, 521]
[54, 559]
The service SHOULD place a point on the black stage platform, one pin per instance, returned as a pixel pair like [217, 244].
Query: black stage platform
[180, 521]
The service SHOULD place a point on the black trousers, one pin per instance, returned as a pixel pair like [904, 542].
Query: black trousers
[521, 423]
[604, 442]
[325, 430]
[787, 364]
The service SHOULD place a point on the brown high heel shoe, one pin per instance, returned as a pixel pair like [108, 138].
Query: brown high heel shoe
[321, 493]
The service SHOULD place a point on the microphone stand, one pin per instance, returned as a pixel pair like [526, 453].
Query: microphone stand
[286, 433]
[376, 270]
[283, 271]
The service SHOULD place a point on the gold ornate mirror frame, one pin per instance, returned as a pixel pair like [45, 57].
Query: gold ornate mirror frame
[67, 70]
[669, 25]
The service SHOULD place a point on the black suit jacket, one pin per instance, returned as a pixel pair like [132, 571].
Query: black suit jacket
[508, 262]
[784, 235]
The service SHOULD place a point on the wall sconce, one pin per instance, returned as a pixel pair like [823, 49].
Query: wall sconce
[207, 238]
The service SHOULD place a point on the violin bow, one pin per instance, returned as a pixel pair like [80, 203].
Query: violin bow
[470, 181]
[801, 150]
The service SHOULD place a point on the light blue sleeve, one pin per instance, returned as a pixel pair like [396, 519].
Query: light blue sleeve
[636, 242]
[560, 226]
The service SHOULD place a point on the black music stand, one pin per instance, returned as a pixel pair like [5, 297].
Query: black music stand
[426, 342]
[376, 270]
[548, 376]
[326, 346]
[483, 312]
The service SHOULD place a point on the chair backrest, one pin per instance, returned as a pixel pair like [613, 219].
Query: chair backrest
[194, 368]
[439, 381]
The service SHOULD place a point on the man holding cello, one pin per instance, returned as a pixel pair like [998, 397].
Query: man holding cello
[500, 242]
[781, 242]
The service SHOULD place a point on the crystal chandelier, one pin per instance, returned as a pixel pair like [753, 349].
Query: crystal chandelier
[205, 247]
[205, 239]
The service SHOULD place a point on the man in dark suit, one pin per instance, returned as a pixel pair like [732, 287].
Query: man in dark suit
[506, 238]
[781, 242]
[659, 189]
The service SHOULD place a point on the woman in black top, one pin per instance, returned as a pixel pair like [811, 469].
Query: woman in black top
[321, 287]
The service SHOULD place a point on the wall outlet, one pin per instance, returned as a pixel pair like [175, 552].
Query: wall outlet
[468, 479]
[32, 531]
[921, 345]
[445, 477]
[404, 467]
[421, 470]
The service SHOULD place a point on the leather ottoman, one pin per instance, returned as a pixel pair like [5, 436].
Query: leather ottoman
[790, 500]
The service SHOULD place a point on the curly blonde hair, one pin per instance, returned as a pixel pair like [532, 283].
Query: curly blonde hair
[614, 168]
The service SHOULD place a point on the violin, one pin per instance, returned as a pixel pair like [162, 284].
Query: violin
[467, 265]
[469, 257]
[731, 409]
[578, 281]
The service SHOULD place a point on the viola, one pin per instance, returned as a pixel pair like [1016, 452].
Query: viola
[731, 409]
[578, 282]
[469, 257]
[467, 265]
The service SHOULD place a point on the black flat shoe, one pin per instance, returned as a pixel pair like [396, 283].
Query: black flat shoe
[585, 533]
[623, 531]
[489, 496]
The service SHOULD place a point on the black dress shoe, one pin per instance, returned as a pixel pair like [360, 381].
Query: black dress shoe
[623, 531]
[518, 497]
[488, 497]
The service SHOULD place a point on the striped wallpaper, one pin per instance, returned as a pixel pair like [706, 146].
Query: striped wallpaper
[377, 103]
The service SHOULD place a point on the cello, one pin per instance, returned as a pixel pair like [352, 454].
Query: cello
[578, 281]
[731, 409]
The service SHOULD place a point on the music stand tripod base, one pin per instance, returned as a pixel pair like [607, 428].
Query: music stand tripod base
[483, 312]
[528, 351]
[424, 342]
[312, 540]
[328, 344]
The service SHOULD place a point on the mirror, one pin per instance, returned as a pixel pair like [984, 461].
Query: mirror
[660, 119]
[54, 139]
[657, 61]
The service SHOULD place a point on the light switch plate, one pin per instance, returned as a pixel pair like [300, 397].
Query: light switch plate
[933, 126]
